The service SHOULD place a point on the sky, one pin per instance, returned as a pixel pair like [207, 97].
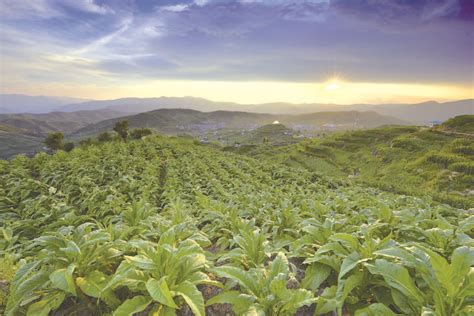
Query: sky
[247, 51]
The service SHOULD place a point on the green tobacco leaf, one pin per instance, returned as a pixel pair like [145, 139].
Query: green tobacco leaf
[239, 275]
[376, 309]
[349, 263]
[346, 239]
[132, 306]
[25, 281]
[461, 262]
[327, 301]
[254, 310]
[278, 266]
[46, 304]
[278, 286]
[160, 292]
[240, 302]
[72, 250]
[296, 299]
[314, 275]
[141, 262]
[62, 279]
[398, 278]
[94, 284]
[344, 287]
[192, 296]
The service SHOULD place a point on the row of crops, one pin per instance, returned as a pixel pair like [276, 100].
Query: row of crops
[166, 227]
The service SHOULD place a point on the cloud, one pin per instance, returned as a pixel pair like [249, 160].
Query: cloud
[402, 11]
[280, 40]
[175, 8]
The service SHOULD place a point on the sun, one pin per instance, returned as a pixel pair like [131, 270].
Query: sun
[333, 84]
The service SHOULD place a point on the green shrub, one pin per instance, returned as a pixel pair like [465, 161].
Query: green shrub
[55, 141]
[138, 133]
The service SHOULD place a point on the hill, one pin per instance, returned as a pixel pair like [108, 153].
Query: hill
[166, 224]
[428, 111]
[24, 133]
[41, 124]
[176, 121]
[459, 124]
[408, 160]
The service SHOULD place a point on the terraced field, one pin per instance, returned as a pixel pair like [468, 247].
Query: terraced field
[163, 226]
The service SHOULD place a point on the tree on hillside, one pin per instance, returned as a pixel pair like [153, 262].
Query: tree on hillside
[138, 133]
[104, 137]
[55, 141]
[122, 129]
[69, 146]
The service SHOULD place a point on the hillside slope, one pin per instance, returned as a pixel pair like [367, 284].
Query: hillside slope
[459, 124]
[408, 160]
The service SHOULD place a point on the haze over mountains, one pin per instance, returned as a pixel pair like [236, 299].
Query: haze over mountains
[20, 103]
[414, 113]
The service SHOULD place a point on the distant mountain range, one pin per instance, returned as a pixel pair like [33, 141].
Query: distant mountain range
[419, 113]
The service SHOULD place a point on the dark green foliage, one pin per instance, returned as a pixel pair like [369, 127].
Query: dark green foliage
[104, 137]
[122, 129]
[138, 133]
[55, 141]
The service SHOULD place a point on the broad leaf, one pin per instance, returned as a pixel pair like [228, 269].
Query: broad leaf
[132, 306]
[192, 296]
[160, 292]
[314, 275]
[62, 279]
[376, 309]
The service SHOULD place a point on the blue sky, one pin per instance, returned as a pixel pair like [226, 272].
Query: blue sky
[91, 48]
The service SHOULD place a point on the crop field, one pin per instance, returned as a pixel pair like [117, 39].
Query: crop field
[163, 226]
